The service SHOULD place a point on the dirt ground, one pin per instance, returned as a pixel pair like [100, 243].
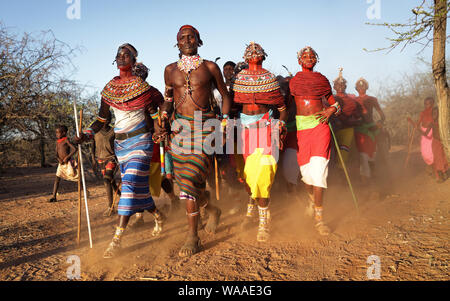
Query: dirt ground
[404, 223]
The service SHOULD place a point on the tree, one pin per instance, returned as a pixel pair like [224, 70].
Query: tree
[35, 92]
[429, 25]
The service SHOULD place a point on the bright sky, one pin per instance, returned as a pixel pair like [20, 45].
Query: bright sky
[336, 29]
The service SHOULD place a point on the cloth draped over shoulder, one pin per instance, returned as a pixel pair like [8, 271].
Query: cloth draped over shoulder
[311, 85]
[131, 95]
[257, 87]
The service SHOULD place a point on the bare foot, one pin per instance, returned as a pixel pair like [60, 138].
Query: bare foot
[213, 220]
[263, 235]
[190, 247]
[113, 250]
[159, 221]
[323, 229]
[248, 223]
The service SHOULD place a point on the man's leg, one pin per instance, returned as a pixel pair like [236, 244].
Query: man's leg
[55, 189]
[192, 243]
[212, 211]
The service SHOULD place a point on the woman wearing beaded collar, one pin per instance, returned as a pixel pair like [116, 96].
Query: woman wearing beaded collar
[135, 104]
[258, 90]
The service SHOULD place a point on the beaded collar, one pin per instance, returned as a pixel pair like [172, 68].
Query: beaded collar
[188, 63]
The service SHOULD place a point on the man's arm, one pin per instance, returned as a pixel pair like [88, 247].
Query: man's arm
[221, 87]
[96, 126]
[168, 104]
[379, 110]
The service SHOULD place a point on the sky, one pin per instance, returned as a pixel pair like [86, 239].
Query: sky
[336, 29]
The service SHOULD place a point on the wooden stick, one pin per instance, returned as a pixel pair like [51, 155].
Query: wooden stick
[216, 167]
[79, 185]
[410, 145]
[82, 175]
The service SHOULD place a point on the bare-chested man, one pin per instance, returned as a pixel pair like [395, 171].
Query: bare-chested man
[188, 89]
[365, 133]
[66, 166]
[313, 133]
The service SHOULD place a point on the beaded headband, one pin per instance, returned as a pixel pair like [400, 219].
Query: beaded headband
[200, 42]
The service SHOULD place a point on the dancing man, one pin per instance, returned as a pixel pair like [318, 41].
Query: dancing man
[351, 116]
[188, 92]
[365, 134]
[313, 133]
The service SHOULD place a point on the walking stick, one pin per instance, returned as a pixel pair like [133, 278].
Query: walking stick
[216, 168]
[161, 150]
[411, 139]
[345, 168]
[79, 186]
[82, 173]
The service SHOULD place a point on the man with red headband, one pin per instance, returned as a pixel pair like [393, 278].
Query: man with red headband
[258, 90]
[188, 93]
[308, 89]
[365, 134]
[351, 116]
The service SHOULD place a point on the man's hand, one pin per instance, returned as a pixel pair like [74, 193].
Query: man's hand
[79, 140]
[325, 115]
[283, 133]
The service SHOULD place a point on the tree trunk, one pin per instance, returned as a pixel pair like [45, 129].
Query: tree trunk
[439, 70]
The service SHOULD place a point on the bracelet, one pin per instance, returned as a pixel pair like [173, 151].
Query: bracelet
[154, 115]
[102, 120]
[283, 108]
[168, 99]
[89, 133]
[164, 115]
[225, 116]
[338, 108]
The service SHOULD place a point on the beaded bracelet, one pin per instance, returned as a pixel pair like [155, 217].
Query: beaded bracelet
[89, 133]
[338, 108]
[283, 108]
[154, 115]
[102, 120]
[168, 99]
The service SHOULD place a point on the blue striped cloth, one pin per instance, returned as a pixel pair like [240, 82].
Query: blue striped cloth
[134, 155]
